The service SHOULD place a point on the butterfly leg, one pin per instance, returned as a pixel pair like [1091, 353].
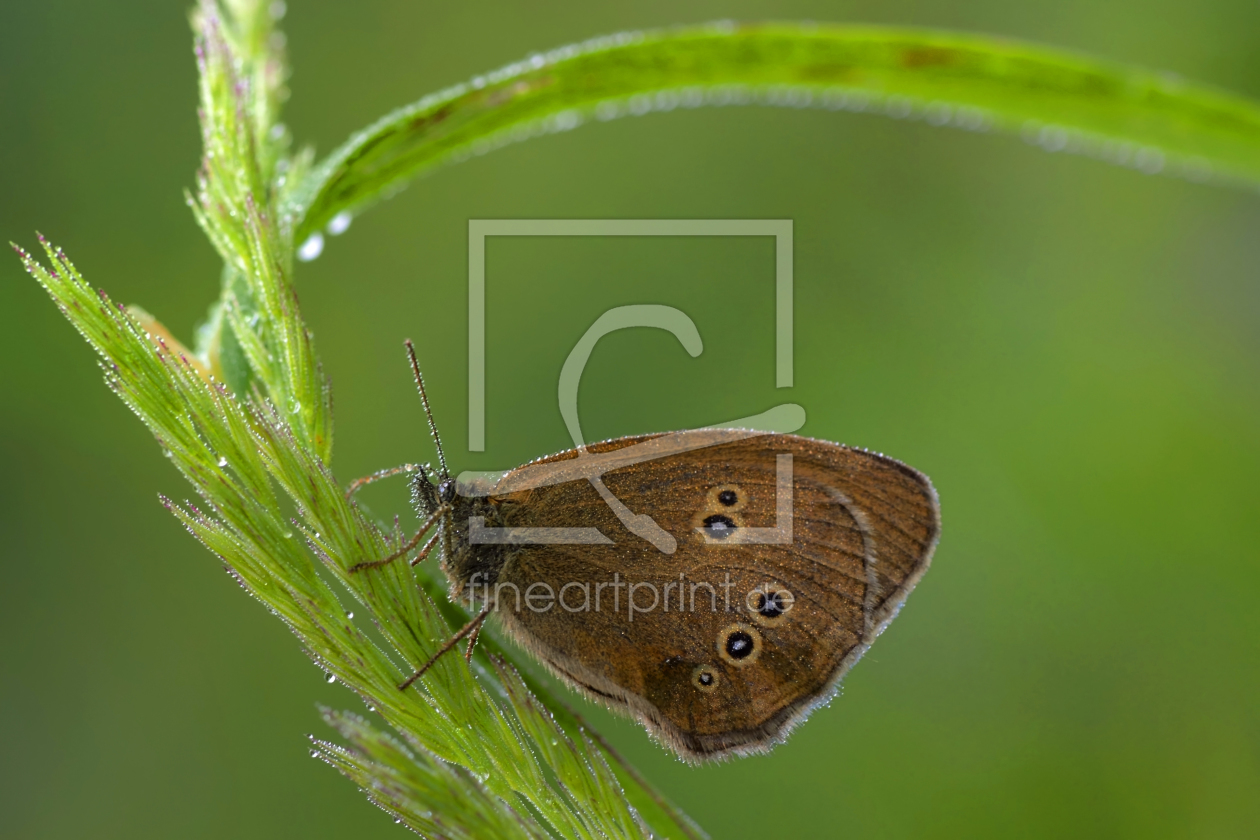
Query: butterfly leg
[411, 543]
[471, 627]
[472, 643]
[377, 476]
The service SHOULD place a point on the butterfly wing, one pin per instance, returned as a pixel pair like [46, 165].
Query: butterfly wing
[724, 644]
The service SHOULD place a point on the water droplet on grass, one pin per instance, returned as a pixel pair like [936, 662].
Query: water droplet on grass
[340, 223]
[311, 248]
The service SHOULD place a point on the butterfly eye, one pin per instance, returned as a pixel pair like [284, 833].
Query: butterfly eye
[705, 678]
[770, 604]
[739, 644]
[719, 526]
[726, 497]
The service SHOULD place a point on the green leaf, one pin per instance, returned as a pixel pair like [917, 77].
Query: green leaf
[1060, 100]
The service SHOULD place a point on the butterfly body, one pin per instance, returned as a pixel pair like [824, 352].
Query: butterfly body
[714, 584]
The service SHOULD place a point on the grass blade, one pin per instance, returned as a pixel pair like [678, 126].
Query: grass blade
[1062, 101]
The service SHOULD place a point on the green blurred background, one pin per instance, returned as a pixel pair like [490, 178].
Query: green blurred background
[1068, 349]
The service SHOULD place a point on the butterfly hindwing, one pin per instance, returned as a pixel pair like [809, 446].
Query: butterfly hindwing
[728, 643]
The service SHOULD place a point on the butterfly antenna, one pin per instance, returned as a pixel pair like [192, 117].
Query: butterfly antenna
[428, 412]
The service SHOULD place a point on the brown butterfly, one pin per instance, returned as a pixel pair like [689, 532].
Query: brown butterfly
[715, 584]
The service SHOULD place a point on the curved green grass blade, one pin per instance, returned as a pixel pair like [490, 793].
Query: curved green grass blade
[1062, 101]
[666, 820]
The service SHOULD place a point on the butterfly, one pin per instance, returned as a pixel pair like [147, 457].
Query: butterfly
[714, 584]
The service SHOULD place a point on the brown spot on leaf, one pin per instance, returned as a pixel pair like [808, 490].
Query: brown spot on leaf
[916, 57]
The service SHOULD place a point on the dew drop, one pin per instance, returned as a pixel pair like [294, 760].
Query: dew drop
[331, 678]
[1052, 138]
[938, 113]
[340, 223]
[314, 753]
[350, 615]
[223, 462]
[900, 107]
[1149, 160]
[311, 248]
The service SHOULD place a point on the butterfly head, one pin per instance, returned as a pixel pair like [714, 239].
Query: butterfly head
[446, 491]
[470, 567]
